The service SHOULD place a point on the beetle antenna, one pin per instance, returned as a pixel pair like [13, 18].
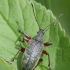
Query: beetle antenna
[34, 14]
[19, 26]
[52, 23]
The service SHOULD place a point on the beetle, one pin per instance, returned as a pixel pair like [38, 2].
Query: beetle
[32, 53]
[31, 57]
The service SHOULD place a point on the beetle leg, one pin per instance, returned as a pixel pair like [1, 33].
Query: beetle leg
[40, 60]
[27, 36]
[45, 52]
[21, 49]
[27, 40]
[47, 43]
[22, 33]
[12, 60]
[24, 39]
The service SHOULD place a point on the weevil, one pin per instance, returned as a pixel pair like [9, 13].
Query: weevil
[32, 53]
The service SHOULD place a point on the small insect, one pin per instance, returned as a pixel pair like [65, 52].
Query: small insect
[31, 57]
[32, 54]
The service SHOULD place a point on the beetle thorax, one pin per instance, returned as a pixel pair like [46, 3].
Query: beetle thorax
[39, 36]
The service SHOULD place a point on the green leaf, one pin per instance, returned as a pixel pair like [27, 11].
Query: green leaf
[21, 11]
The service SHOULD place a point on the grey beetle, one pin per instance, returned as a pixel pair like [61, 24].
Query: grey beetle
[32, 53]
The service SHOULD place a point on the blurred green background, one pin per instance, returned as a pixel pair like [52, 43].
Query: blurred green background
[59, 7]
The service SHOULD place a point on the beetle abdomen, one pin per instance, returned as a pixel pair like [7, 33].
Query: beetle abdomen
[29, 64]
[31, 55]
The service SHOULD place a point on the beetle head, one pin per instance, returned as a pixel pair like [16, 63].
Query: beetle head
[39, 36]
